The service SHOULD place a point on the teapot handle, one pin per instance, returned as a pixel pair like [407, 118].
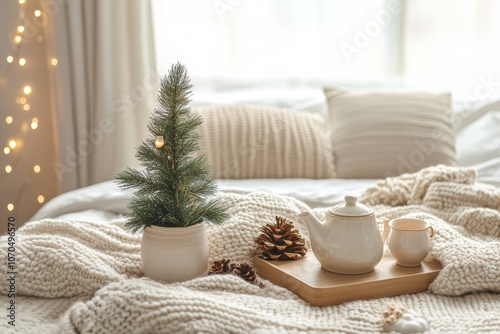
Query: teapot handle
[387, 228]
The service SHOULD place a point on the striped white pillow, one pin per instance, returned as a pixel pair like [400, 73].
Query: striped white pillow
[245, 141]
[381, 134]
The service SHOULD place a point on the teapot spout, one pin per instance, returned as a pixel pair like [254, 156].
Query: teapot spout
[316, 228]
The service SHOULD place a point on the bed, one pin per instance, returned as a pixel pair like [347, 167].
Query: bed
[78, 271]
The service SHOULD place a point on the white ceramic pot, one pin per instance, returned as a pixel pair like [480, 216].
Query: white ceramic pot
[174, 254]
[348, 241]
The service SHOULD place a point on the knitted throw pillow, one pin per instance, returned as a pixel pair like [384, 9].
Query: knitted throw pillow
[381, 134]
[246, 141]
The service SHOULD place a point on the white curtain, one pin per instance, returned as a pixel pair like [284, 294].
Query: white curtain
[104, 85]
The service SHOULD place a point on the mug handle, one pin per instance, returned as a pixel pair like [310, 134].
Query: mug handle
[431, 231]
[387, 228]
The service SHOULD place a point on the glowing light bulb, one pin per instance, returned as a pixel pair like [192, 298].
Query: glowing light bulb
[8, 169]
[12, 144]
[22, 100]
[10, 59]
[41, 199]
[26, 107]
[159, 142]
[6, 150]
[34, 123]
[36, 169]
[27, 90]
[10, 206]
[22, 61]
[9, 119]
[22, 2]
[20, 28]
[38, 13]
[17, 39]
[54, 61]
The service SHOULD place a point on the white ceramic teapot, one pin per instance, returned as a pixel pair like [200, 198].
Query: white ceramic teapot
[349, 241]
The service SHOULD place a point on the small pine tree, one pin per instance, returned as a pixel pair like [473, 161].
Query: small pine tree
[174, 187]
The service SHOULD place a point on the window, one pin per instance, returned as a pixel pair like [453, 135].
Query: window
[449, 44]
[454, 44]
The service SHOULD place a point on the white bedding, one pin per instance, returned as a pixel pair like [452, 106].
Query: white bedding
[106, 199]
[105, 260]
[106, 203]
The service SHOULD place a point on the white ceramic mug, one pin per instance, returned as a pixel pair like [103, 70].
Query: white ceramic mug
[409, 240]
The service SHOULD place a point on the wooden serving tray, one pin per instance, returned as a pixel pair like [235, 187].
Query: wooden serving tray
[319, 287]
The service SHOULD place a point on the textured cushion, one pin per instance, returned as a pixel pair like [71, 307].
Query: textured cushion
[381, 134]
[244, 141]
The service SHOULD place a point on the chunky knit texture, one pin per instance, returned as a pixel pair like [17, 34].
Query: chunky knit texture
[411, 188]
[100, 262]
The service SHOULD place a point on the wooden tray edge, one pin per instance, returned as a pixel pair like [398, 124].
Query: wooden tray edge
[412, 283]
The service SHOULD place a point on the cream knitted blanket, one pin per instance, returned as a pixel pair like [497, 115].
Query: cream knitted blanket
[95, 267]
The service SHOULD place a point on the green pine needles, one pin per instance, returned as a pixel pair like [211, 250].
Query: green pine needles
[174, 188]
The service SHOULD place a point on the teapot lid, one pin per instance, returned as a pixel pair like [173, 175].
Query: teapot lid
[350, 208]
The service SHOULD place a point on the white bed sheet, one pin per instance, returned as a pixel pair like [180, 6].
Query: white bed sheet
[106, 201]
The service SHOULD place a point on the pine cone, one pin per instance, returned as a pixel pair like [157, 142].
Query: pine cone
[220, 267]
[243, 270]
[280, 241]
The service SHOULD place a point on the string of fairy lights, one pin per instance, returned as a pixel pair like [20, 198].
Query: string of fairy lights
[16, 60]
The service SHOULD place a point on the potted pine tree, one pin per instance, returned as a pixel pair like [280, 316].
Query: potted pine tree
[173, 193]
